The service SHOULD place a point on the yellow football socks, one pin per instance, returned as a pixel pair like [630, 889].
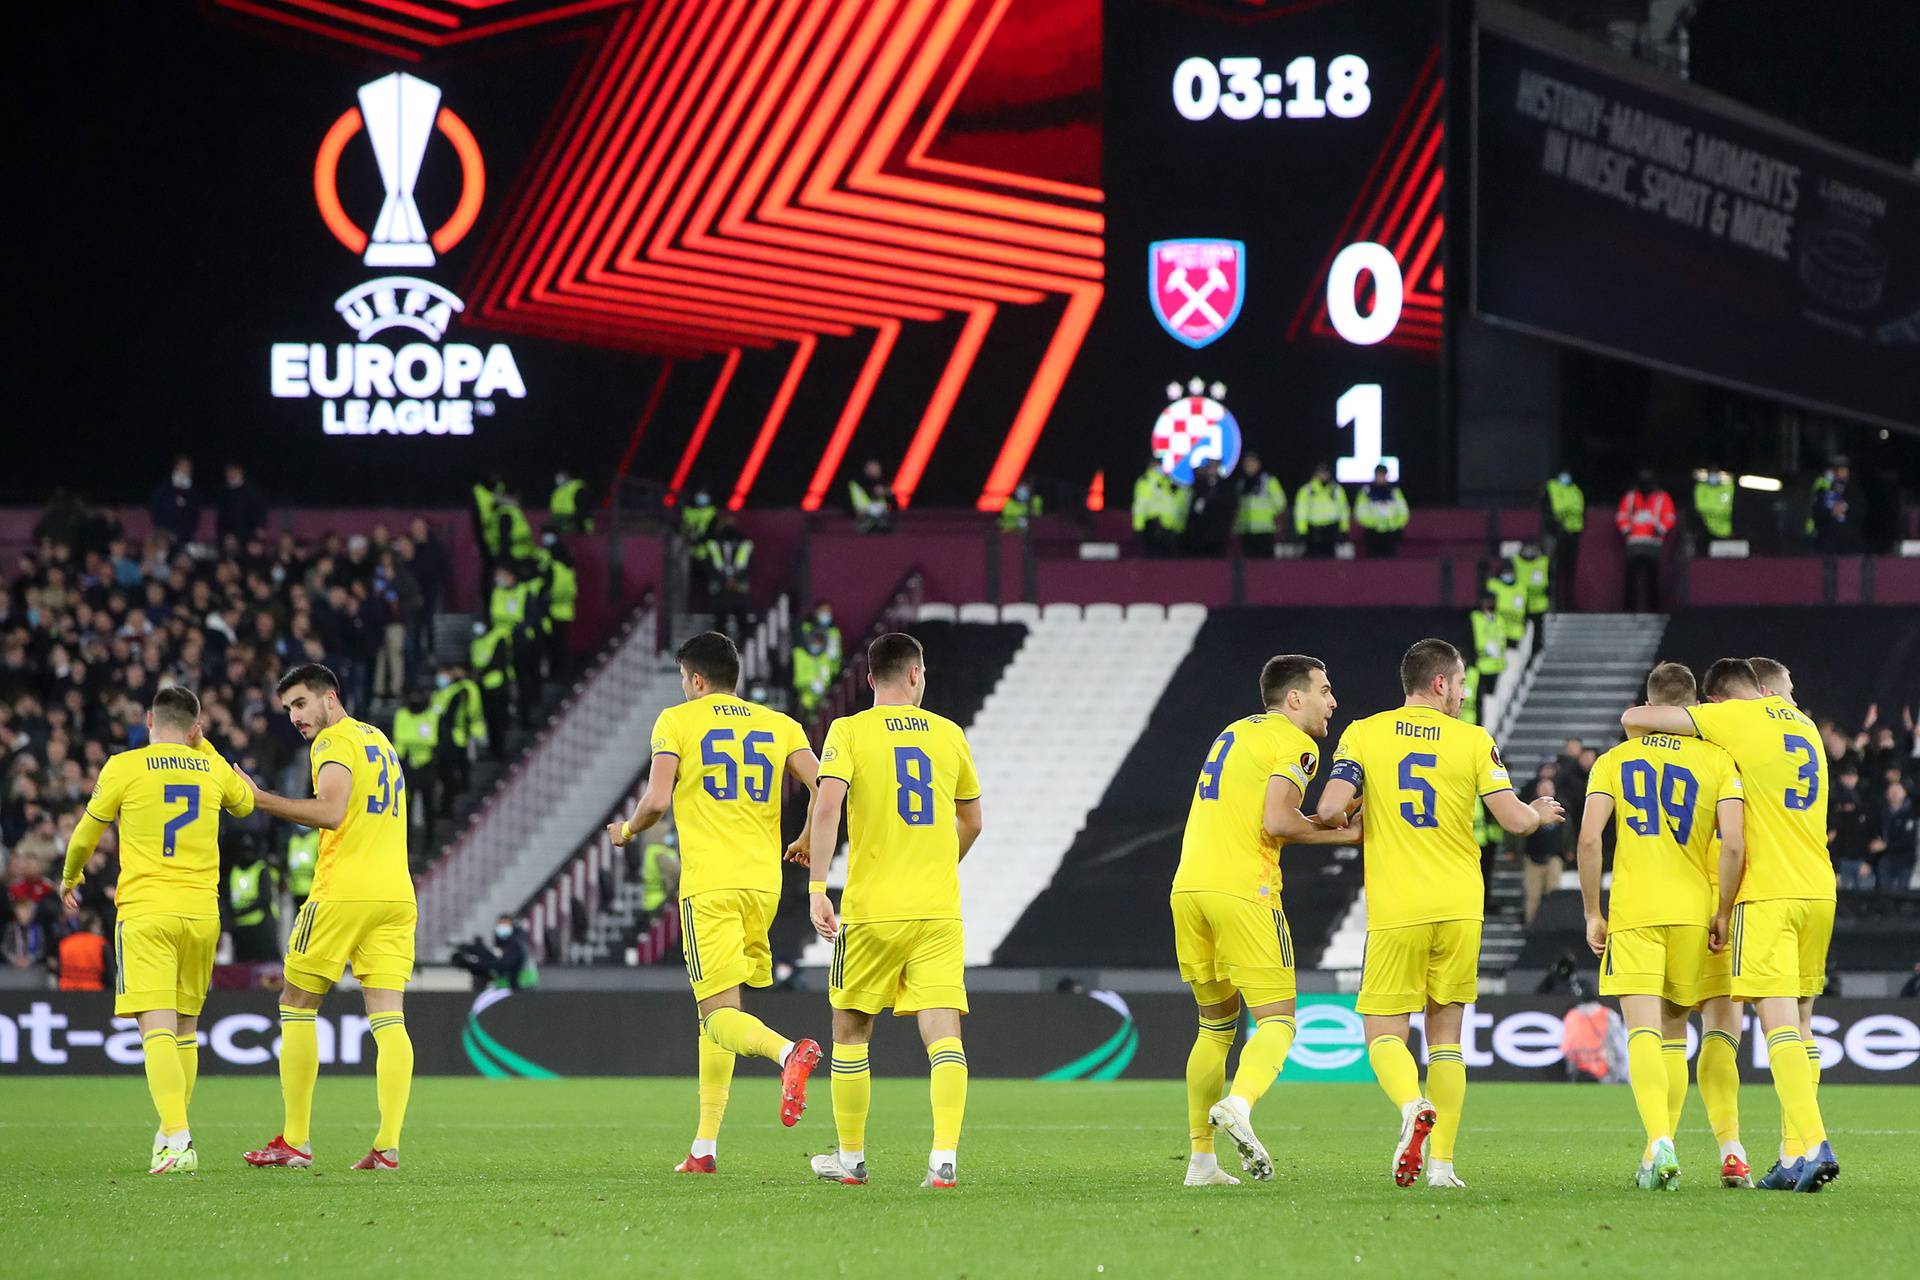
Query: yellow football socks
[164, 1080]
[188, 1048]
[947, 1084]
[1793, 1144]
[1719, 1072]
[1647, 1070]
[742, 1033]
[1447, 1090]
[1395, 1069]
[716, 1082]
[1261, 1060]
[1675, 1053]
[1793, 1081]
[852, 1095]
[299, 1068]
[393, 1075]
[1207, 1075]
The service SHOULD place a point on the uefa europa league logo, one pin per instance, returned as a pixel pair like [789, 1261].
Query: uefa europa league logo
[400, 114]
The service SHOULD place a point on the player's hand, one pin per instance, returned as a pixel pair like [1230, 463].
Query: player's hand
[1552, 812]
[800, 850]
[1717, 933]
[820, 911]
[1356, 827]
[70, 897]
[1597, 935]
[617, 832]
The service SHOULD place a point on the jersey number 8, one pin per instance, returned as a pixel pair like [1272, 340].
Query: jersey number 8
[913, 774]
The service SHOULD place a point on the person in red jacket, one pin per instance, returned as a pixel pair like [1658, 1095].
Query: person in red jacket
[1645, 518]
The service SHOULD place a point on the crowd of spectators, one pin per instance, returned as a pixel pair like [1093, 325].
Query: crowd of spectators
[93, 623]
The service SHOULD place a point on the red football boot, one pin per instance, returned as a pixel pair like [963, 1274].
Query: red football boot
[1734, 1172]
[793, 1080]
[278, 1155]
[696, 1164]
[378, 1159]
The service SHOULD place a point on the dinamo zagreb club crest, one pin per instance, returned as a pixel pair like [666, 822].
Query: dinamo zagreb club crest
[1196, 427]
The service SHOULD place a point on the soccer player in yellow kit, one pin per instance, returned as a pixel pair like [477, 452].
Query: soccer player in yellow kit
[720, 763]
[907, 777]
[361, 912]
[1419, 770]
[167, 797]
[1666, 798]
[1775, 911]
[1228, 929]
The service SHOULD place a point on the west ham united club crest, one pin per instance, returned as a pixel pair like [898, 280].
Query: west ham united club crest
[1196, 287]
[1195, 428]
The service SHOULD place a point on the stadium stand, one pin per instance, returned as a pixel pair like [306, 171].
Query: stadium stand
[1106, 904]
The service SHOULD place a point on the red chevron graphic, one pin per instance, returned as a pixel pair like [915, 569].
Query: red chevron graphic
[411, 29]
[1399, 207]
[738, 175]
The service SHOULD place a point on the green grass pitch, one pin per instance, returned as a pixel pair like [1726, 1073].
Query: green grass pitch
[506, 1178]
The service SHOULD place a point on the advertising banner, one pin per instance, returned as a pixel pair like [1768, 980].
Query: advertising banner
[1099, 1035]
[1648, 220]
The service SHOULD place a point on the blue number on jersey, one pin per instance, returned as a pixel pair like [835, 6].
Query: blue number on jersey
[391, 781]
[1647, 792]
[913, 772]
[178, 793]
[1809, 772]
[1426, 813]
[727, 785]
[1216, 762]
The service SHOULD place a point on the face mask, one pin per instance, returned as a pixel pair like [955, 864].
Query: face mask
[824, 617]
[1566, 477]
[182, 480]
[442, 681]
[503, 931]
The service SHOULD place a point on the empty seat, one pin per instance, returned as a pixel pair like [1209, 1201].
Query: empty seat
[979, 613]
[934, 611]
[1102, 613]
[1186, 613]
[1146, 611]
[1020, 611]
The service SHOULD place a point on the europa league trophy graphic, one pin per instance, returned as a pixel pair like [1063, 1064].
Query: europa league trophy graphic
[399, 112]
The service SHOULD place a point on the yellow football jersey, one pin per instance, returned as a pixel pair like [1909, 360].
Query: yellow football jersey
[1784, 769]
[168, 800]
[905, 769]
[364, 859]
[1420, 772]
[1665, 794]
[726, 789]
[1226, 848]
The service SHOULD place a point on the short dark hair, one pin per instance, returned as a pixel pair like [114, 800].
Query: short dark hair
[1286, 671]
[1728, 675]
[1672, 685]
[1769, 672]
[712, 656]
[312, 675]
[1425, 660]
[889, 656]
[176, 707]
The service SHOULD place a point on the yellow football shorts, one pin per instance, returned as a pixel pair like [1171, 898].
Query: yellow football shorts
[723, 934]
[1664, 960]
[1779, 947]
[905, 965]
[1406, 969]
[1227, 944]
[1716, 974]
[376, 938]
[163, 962]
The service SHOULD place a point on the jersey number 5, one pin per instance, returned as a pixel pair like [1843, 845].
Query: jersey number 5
[187, 793]
[1420, 809]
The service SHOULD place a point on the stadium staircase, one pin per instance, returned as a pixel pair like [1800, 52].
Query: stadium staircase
[557, 793]
[1592, 666]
